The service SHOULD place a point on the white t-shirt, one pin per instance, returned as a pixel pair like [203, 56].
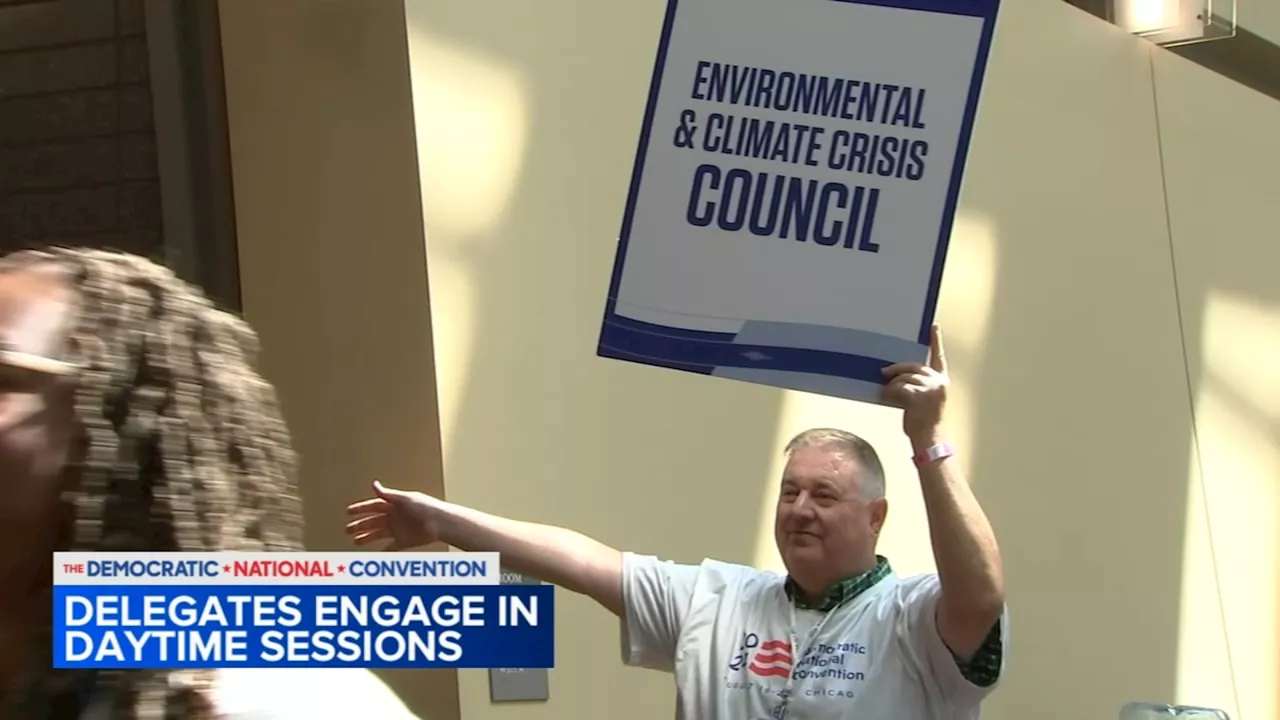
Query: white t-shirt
[726, 632]
[305, 694]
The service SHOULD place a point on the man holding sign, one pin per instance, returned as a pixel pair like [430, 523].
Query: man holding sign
[840, 636]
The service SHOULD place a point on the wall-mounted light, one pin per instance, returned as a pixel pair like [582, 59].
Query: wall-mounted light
[1176, 22]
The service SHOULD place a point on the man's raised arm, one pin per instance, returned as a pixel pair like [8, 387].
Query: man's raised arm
[964, 545]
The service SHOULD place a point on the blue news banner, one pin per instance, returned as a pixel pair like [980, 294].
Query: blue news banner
[266, 610]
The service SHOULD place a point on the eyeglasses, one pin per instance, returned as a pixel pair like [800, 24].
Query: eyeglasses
[38, 364]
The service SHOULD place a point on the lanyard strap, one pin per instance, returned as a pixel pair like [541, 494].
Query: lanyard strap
[810, 642]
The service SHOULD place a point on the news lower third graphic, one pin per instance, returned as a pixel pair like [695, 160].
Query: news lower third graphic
[262, 610]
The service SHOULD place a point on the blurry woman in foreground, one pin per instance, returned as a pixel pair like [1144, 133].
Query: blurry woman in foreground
[132, 419]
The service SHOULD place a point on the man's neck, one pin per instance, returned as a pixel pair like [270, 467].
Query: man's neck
[814, 589]
[820, 583]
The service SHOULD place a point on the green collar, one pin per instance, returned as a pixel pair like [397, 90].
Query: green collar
[843, 591]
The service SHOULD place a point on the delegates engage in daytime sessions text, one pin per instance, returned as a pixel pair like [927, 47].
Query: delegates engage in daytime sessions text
[132, 419]
[840, 636]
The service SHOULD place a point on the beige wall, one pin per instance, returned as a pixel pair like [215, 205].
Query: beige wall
[1065, 319]
[1221, 152]
[332, 264]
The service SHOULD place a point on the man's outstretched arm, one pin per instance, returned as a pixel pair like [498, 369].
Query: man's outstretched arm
[561, 557]
[556, 555]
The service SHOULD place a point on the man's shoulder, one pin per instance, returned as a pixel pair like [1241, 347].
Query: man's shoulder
[922, 582]
[901, 591]
[710, 574]
[744, 576]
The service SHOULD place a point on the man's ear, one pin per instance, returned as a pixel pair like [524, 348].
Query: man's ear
[879, 511]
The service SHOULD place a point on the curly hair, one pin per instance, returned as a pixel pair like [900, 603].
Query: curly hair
[180, 446]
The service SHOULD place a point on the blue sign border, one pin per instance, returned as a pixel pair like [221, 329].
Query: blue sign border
[704, 352]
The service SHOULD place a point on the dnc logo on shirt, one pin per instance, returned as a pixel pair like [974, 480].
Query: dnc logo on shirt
[770, 658]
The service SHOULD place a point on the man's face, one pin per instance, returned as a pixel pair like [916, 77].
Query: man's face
[824, 527]
[36, 420]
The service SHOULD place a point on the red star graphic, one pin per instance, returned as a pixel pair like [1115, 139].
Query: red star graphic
[226, 568]
[342, 568]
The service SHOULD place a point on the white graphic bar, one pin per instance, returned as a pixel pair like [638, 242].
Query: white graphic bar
[276, 568]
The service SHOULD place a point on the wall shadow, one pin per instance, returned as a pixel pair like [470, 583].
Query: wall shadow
[1222, 206]
[1082, 420]
[321, 129]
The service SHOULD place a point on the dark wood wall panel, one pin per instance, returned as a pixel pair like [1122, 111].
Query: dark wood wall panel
[77, 138]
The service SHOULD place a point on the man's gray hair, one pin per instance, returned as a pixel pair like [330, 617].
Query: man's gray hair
[859, 450]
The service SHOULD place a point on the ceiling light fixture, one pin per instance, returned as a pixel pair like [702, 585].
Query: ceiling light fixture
[1175, 22]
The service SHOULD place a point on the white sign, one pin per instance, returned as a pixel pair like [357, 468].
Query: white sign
[795, 187]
